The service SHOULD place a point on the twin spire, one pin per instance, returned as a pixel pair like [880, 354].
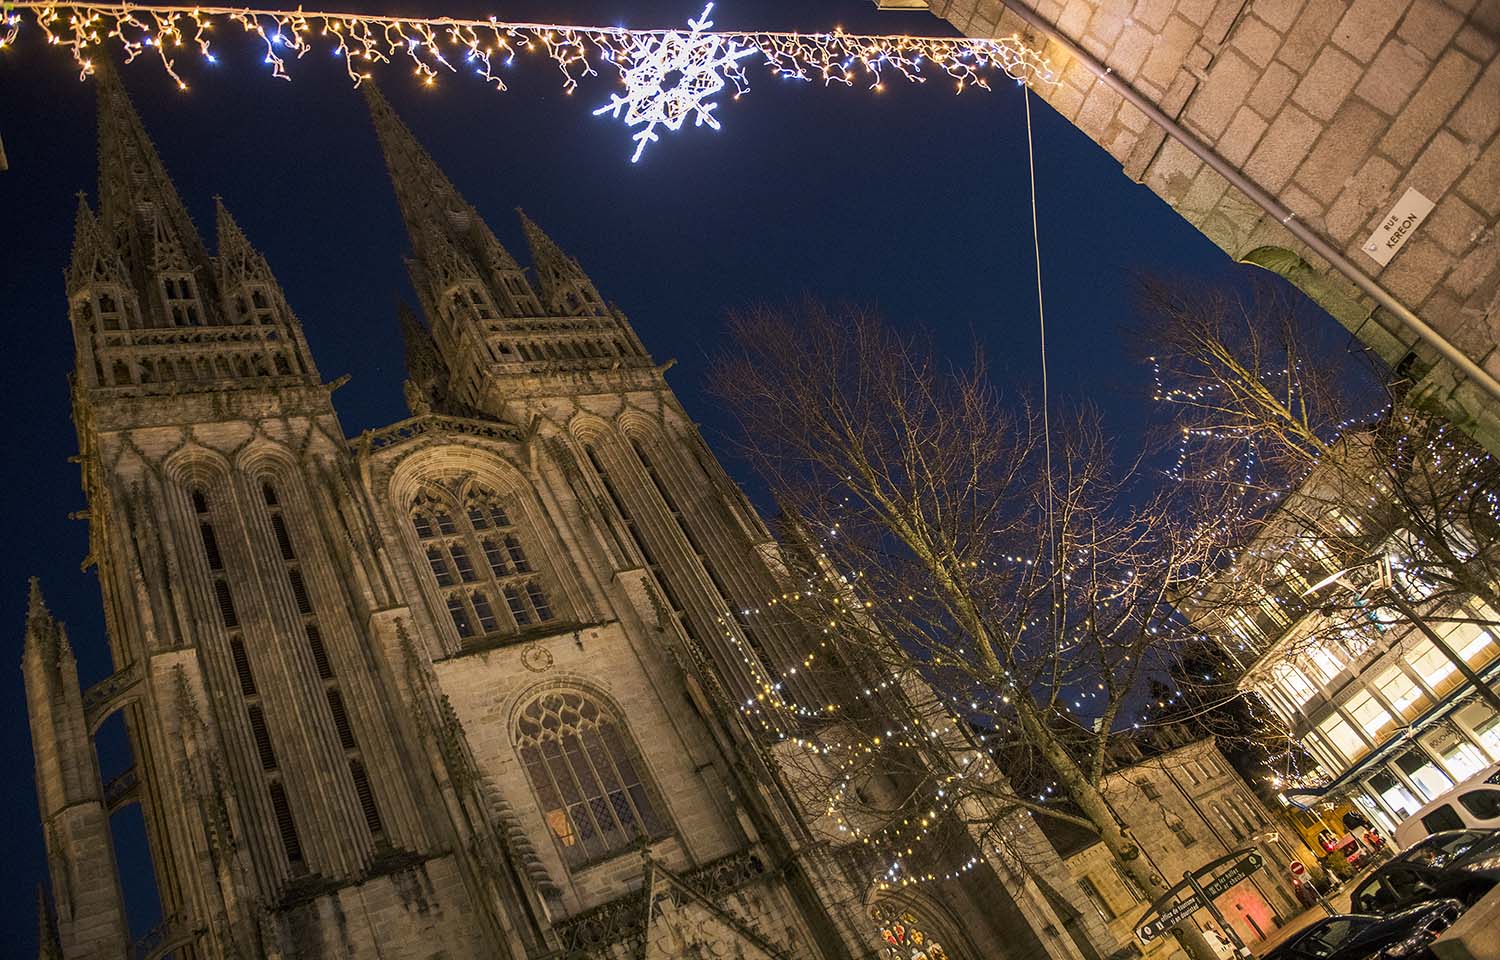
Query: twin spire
[142, 226]
[138, 204]
[139, 260]
[449, 235]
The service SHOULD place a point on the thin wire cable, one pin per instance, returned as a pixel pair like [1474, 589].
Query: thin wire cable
[1041, 317]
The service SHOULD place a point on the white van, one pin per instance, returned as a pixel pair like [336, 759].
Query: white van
[1475, 803]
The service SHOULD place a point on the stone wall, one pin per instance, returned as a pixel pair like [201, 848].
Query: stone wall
[416, 911]
[488, 688]
[1187, 808]
[1336, 108]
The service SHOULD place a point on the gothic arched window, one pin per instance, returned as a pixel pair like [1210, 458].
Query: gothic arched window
[586, 775]
[480, 564]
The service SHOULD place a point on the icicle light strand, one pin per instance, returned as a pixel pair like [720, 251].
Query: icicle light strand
[438, 45]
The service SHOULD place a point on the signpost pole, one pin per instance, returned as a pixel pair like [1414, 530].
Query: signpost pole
[1240, 949]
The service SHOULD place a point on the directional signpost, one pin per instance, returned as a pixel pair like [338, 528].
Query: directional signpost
[1164, 914]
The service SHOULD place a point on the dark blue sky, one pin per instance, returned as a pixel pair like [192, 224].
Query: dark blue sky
[913, 201]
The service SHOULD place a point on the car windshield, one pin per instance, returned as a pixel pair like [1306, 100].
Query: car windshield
[1441, 849]
[1327, 937]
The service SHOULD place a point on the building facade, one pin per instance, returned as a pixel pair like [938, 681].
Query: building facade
[1336, 109]
[1187, 808]
[476, 684]
[1387, 717]
[1383, 717]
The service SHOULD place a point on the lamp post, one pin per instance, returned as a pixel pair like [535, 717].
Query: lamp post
[1387, 583]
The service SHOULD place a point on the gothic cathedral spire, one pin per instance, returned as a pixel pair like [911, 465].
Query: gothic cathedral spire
[498, 340]
[140, 265]
[566, 289]
[137, 202]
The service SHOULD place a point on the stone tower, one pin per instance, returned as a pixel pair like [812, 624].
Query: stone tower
[75, 821]
[482, 683]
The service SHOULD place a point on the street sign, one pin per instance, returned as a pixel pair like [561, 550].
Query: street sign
[1168, 918]
[1221, 884]
[1161, 917]
[1298, 868]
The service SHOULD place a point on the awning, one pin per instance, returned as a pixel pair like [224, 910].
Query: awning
[1380, 754]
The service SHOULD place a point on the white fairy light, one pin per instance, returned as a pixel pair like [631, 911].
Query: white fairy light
[672, 77]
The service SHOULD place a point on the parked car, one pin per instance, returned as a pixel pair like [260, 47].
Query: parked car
[1462, 865]
[1406, 935]
[1473, 803]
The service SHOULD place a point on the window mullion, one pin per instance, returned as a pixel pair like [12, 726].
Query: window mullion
[603, 781]
[587, 803]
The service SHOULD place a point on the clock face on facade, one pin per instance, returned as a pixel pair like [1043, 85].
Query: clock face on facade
[536, 658]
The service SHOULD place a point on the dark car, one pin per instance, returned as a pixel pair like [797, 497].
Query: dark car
[1462, 865]
[1406, 935]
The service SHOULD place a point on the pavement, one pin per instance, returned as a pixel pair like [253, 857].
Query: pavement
[1338, 900]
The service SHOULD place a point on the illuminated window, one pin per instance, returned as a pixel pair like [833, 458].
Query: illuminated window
[1243, 627]
[1433, 666]
[1370, 715]
[1341, 523]
[1327, 659]
[1394, 793]
[1288, 573]
[587, 776]
[1461, 757]
[1420, 770]
[1485, 723]
[1319, 551]
[1271, 607]
[903, 936]
[1337, 731]
[1293, 683]
[1477, 648]
[1405, 697]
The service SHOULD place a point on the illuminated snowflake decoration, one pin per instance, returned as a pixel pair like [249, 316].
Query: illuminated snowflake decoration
[671, 78]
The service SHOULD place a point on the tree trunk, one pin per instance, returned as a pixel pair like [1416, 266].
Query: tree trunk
[1127, 853]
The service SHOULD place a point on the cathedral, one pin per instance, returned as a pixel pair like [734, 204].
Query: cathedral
[477, 684]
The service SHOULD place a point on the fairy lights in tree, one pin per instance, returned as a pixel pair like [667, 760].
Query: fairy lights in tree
[668, 75]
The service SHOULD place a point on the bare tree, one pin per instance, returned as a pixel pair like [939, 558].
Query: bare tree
[1367, 506]
[1017, 573]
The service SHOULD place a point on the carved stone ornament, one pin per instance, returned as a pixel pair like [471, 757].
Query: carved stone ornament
[536, 658]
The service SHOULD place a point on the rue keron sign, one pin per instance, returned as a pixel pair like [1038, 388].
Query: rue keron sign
[1164, 914]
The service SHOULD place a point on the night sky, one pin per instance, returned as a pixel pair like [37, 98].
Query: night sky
[913, 201]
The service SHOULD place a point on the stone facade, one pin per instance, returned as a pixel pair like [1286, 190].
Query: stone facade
[476, 684]
[1337, 109]
[1186, 807]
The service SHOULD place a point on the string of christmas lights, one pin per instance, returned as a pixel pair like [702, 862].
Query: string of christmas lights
[669, 75]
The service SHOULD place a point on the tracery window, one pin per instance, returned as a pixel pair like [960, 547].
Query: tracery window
[253, 305]
[904, 936]
[111, 312]
[587, 777]
[480, 564]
